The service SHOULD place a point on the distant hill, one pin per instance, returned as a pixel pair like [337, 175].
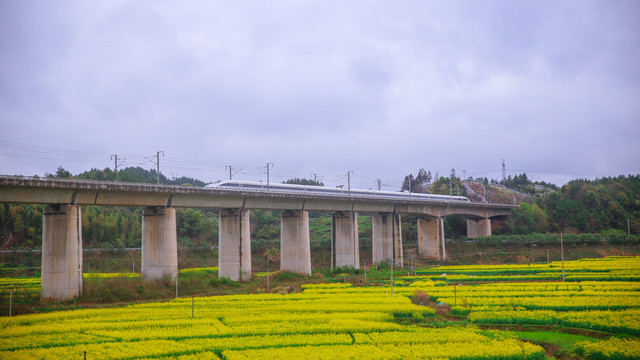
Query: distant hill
[607, 206]
[581, 206]
[595, 205]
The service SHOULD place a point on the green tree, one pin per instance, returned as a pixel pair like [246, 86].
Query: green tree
[299, 181]
[97, 174]
[190, 223]
[61, 173]
[447, 186]
[527, 219]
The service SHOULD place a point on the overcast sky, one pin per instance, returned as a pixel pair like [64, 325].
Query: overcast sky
[380, 88]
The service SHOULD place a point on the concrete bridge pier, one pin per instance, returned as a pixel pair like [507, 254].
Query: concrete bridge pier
[234, 253]
[61, 252]
[387, 238]
[431, 238]
[345, 247]
[159, 244]
[295, 245]
[478, 228]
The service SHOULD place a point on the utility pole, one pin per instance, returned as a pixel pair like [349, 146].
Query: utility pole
[158, 164]
[115, 167]
[349, 181]
[315, 178]
[451, 188]
[230, 169]
[379, 182]
[231, 172]
[533, 253]
[504, 171]
[268, 173]
[628, 228]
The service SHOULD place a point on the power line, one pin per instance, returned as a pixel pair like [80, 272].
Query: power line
[17, 150]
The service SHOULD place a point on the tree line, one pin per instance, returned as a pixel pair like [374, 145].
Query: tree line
[121, 227]
[609, 205]
[108, 226]
[599, 206]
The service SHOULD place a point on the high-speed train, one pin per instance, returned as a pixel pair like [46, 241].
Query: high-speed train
[325, 190]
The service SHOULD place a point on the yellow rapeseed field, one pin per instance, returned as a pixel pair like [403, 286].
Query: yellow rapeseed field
[342, 321]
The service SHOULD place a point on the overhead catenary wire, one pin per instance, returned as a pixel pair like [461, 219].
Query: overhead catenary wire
[15, 149]
[212, 171]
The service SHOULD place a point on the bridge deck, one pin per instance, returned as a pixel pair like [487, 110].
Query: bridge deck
[87, 192]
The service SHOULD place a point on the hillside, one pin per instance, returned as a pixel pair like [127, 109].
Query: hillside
[495, 193]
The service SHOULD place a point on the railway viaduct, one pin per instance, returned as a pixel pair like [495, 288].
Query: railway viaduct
[62, 228]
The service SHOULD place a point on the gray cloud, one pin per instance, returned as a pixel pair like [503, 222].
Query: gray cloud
[325, 87]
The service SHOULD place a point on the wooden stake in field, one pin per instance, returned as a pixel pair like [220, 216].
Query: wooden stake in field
[365, 272]
[391, 278]
[455, 296]
[562, 255]
[10, 301]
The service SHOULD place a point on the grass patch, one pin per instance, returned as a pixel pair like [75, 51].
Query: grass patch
[283, 276]
[551, 337]
[557, 345]
[342, 270]
[224, 281]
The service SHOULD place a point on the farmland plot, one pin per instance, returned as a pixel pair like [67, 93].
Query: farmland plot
[342, 321]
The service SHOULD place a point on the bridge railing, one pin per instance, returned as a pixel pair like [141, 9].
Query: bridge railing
[61, 182]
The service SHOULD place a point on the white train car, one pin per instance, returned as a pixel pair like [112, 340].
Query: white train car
[325, 190]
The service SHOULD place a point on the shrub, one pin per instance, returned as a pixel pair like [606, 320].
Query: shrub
[421, 298]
